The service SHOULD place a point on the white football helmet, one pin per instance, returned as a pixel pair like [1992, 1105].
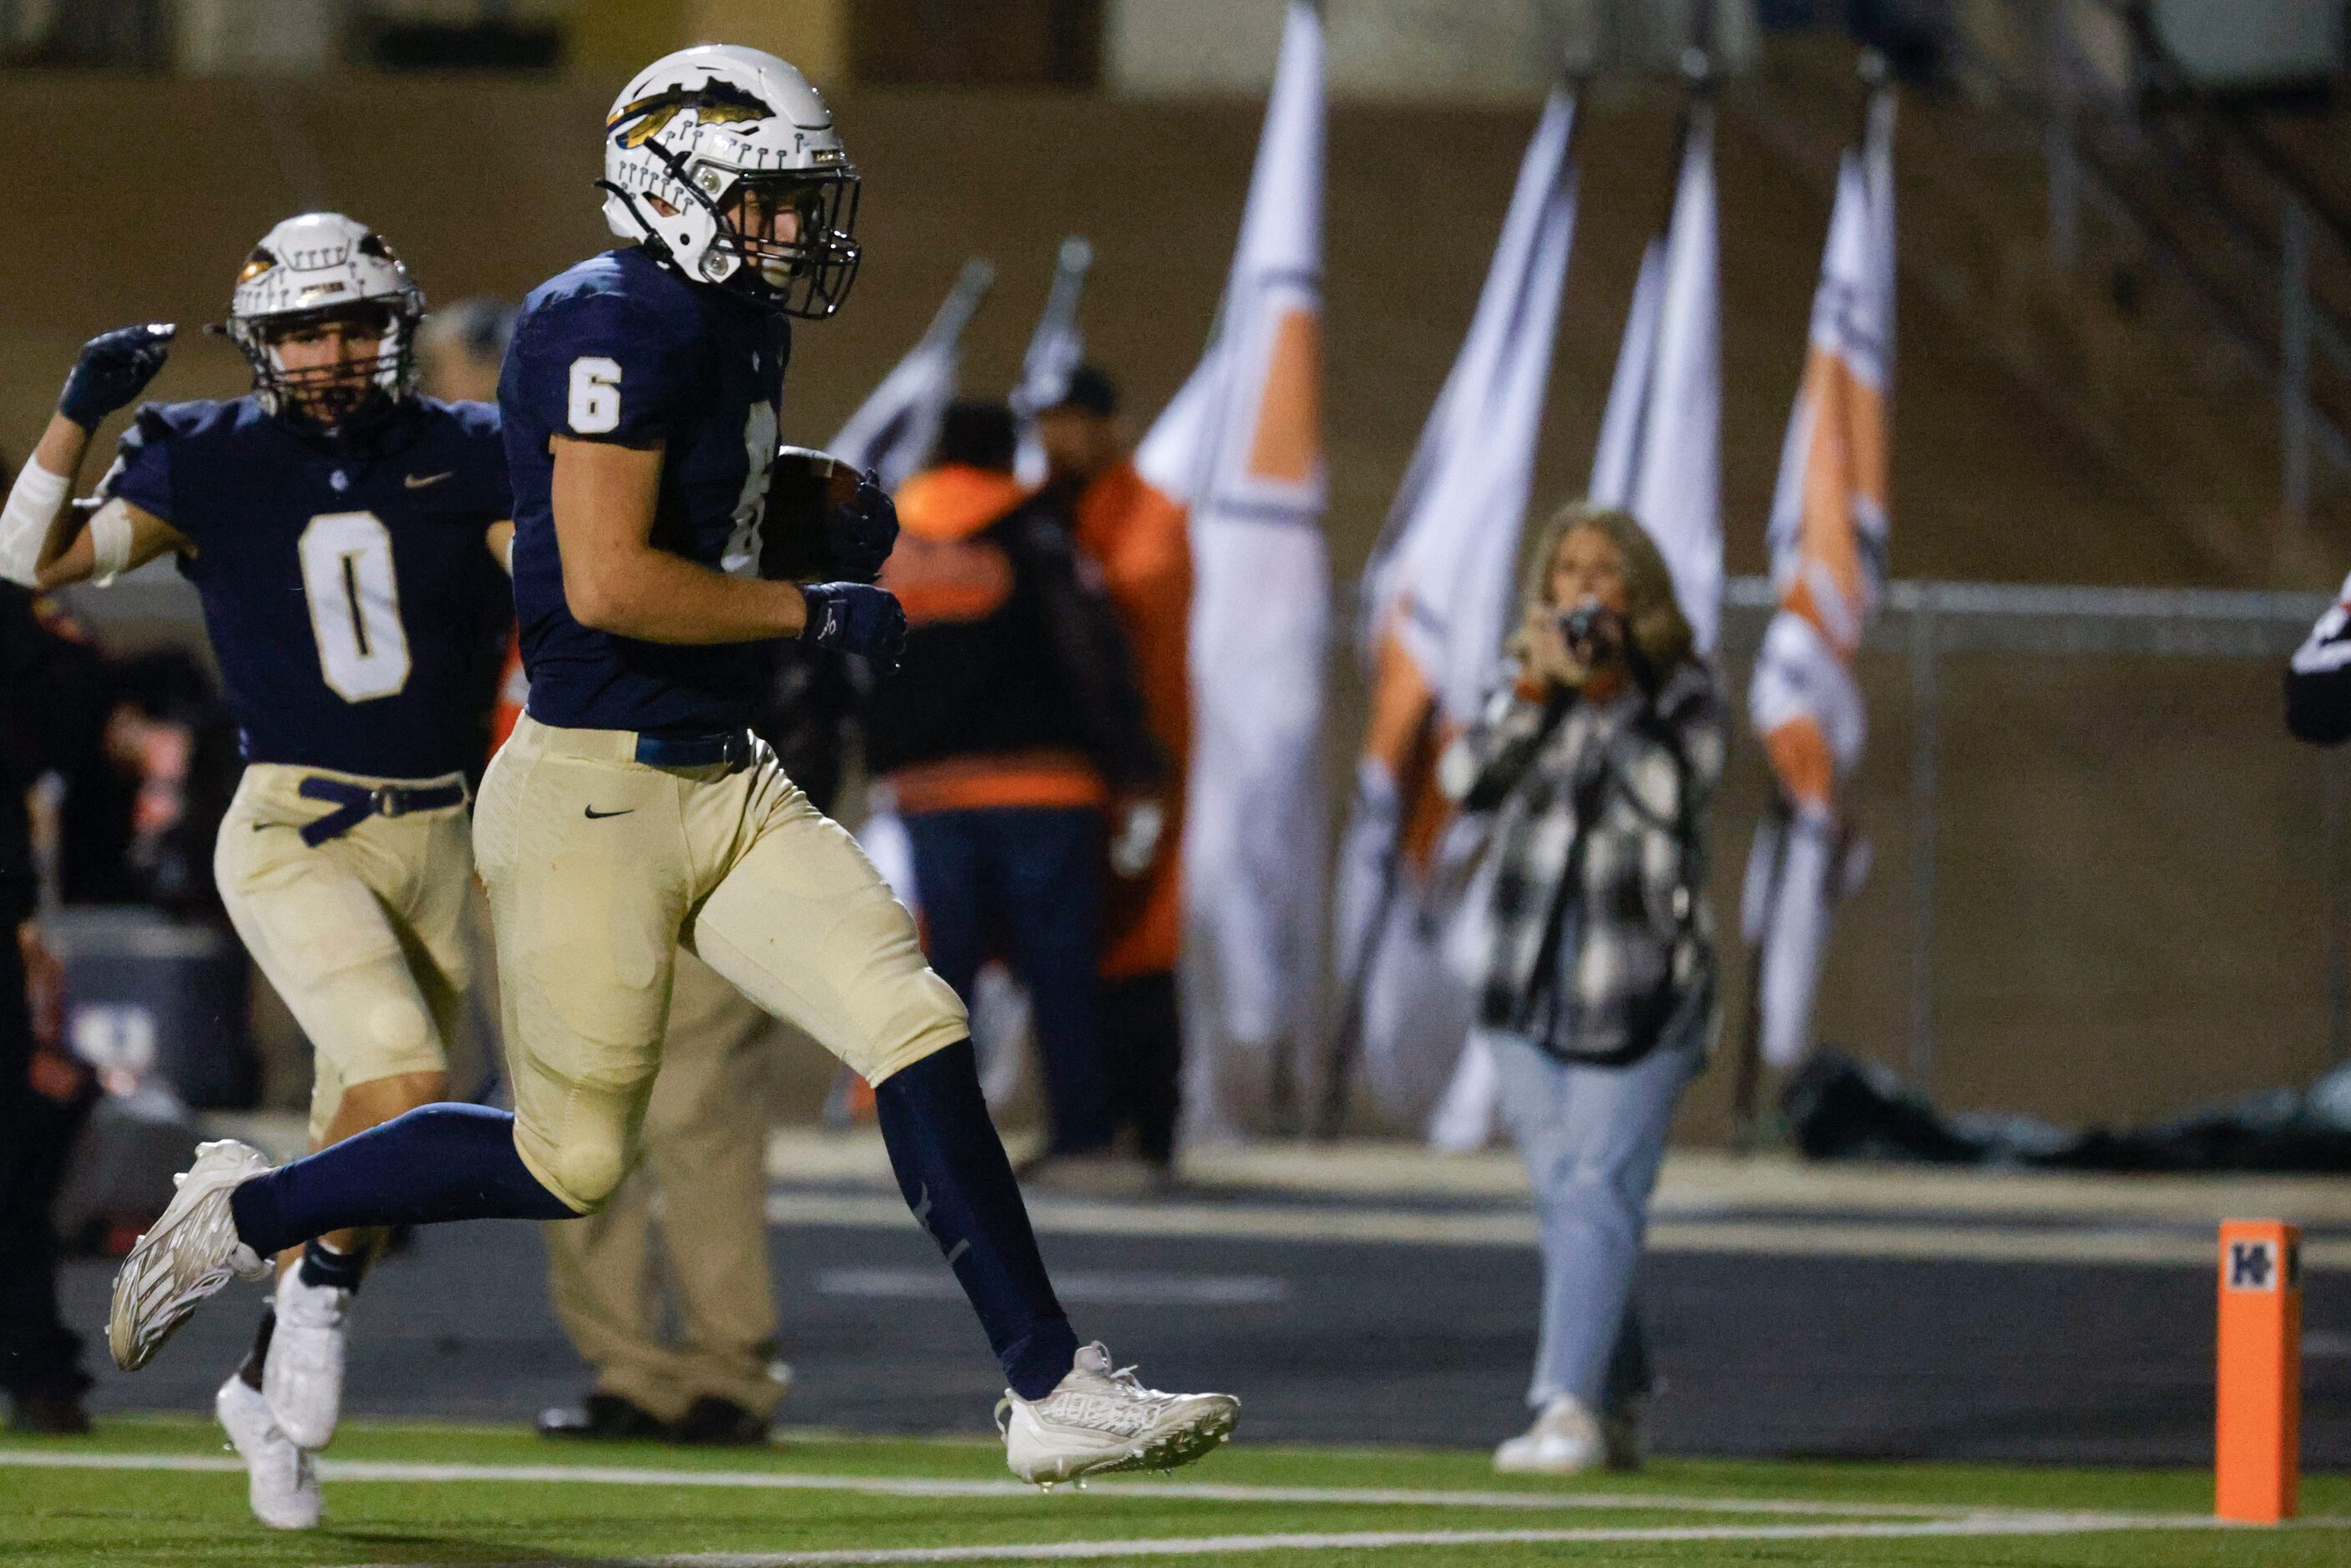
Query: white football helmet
[705, 136]
[309, 270]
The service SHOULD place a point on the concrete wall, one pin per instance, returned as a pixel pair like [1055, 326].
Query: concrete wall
[1466, 51]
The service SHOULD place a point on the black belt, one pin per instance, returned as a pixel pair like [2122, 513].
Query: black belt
[733, 749]
[355, 803]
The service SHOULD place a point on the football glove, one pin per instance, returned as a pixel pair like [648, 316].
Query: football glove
[114, 368]
[861, 530]
[852, 618]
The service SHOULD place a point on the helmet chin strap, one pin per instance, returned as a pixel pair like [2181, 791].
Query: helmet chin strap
[653, 240]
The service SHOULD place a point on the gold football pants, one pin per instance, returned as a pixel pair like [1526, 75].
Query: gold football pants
[364, 936]
[601, 867]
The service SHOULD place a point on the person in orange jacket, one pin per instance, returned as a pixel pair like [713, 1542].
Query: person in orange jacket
[1013, 740]
[1135, 538]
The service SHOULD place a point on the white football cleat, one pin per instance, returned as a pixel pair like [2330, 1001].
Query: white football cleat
[1097, 1419]
[1565, 1440]
[190, 1252]
[280, 1482]
[302, 1377]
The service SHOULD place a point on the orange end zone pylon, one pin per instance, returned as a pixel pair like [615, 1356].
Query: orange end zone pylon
[2257, 1450]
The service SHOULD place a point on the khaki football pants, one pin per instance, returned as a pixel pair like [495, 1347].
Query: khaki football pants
[364, 936]
[599, 868]
[704, 1169]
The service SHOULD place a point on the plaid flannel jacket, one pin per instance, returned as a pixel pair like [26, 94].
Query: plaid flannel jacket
[1597, 932]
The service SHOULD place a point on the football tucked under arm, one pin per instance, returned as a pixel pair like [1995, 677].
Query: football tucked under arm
[824, 521]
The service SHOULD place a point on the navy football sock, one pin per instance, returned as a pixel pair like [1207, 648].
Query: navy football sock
[954, 1177]
[250, 1369]
[323, 1265]
[436, 1163]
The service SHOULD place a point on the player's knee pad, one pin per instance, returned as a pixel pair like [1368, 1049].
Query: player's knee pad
[398, 1026]
[584, 1159]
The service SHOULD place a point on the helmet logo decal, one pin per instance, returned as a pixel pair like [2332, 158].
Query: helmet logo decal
[261, 261]
[713, 103]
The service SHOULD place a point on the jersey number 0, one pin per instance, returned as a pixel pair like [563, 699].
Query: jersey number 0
[354, 605]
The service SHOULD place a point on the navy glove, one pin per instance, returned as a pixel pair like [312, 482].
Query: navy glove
[852, 618]
[861, 532]
[114, 368]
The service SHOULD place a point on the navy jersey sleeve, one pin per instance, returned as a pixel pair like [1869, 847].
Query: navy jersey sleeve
[602, 367]
[141, 474]
[486, 459]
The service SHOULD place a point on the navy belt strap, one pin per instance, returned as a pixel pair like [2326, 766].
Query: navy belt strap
[733, 749]
[355, 803]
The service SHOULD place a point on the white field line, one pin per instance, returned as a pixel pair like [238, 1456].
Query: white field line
[1360, 1540]
[914, 1485]
[1916, 1241]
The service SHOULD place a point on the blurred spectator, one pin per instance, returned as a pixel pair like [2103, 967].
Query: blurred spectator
[1137, 540]
[1010, 733]
[1597, 997]
[461, 348]
[141, 813]
[2318, 681]
[45, 1093]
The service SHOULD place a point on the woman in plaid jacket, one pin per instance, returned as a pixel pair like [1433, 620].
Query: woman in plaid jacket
[1596, 994]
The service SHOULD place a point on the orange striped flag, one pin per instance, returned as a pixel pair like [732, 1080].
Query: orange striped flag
[1828, 542]
[1241, 447]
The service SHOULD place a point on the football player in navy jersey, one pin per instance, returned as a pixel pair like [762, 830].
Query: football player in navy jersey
[345, 537]
[632, 812]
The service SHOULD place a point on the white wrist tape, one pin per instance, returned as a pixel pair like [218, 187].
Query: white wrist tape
[34, 503]
[110, 543]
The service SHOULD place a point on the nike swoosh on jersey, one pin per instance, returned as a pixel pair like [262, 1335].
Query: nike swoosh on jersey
[593, 813]
[418, 481]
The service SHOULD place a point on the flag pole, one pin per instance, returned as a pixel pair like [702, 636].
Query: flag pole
[1747, 1082]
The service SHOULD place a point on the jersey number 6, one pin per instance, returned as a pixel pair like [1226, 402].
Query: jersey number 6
[354, 605]
[595, 401]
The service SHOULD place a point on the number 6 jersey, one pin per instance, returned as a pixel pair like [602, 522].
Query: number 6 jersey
[621, 350]
[358, 618]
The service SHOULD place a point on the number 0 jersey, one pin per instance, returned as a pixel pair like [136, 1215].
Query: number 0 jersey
[358, 618]
[619, 348]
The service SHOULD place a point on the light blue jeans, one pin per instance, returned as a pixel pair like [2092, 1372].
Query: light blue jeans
[1593, 1138]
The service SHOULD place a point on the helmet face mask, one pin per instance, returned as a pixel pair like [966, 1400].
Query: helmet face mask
[705, 153]
[808, 274]
[318, 290]
[308, 369]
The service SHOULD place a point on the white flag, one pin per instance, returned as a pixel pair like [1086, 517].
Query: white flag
[894, 430]
[1055, 350]
[1241, 446]
[1615, 459]
[1437, 603]
[1660, 453]
[1828, 541]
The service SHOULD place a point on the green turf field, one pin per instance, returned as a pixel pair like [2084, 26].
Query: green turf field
[162, 1491]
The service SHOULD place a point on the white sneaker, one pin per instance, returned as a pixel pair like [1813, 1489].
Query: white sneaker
[302, 1377]
[190, 1253]
[280, 1483]
[1564, 1440]
[1097, 1419]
